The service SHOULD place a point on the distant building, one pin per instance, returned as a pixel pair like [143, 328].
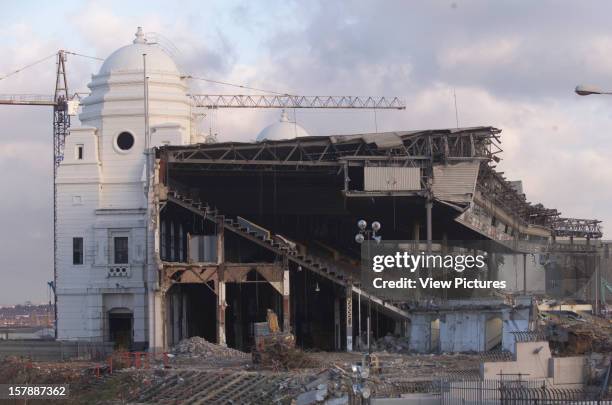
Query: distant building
[26, 332]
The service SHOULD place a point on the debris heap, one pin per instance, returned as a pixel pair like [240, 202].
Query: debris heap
[284, 357]
[199, 347]
[392, 344]
[330, 387]
[578, 334]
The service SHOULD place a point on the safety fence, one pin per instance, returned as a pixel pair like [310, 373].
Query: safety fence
[514, 392]
[138, 360]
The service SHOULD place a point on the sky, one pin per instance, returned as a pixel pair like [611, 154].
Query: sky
[512, 65]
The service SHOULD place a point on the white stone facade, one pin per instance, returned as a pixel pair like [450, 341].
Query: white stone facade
[101, 198]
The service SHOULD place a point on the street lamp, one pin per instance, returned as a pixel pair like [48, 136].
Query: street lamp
[583, 90]
[586, 90]
[362, 235]
[367, 234]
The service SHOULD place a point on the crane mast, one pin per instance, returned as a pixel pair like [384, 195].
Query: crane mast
[61, 126]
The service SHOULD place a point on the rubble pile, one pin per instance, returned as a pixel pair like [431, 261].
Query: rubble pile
[199, 347]
[283, 357]
[392, 344]
[330, 387]
[579, 334]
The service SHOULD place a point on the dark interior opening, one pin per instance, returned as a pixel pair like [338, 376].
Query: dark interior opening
[120, 329]
[248, 303]
[192, 311]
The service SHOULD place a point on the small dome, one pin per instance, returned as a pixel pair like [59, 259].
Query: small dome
[283, 129]
[129, 58]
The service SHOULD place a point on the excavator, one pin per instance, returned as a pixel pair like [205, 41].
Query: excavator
[268, 335]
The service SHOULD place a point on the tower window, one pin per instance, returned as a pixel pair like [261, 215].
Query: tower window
[77, 250]
[120, 244]
[125, 141]
[79, 152]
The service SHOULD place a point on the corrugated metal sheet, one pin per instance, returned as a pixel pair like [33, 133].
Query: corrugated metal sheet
[392, 178]
[455, 182]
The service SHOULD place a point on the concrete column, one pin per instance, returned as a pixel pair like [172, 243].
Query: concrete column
[286, 301]
[346, 177]
[221, 309]
[524, 273]
[359, 343]
[220, 242]
[337, 322]
[221, 304]
[349, 318]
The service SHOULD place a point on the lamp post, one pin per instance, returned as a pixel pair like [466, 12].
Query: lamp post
[586, 90]
[364, 235]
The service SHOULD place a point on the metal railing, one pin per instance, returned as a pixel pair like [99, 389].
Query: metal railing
[514, 392]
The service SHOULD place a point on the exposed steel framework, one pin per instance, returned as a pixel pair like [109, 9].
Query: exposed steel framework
[292, 101]
[27, 99]
[420, 148]
[413, 148]
[575, 227]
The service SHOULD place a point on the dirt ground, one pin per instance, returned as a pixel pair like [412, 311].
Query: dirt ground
[186, 377]
[85, 387]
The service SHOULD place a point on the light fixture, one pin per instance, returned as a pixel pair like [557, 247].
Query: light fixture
[299, 268]
[361, 224]
[583, 90]
[359, 238]
[317, 289]
[376, 226]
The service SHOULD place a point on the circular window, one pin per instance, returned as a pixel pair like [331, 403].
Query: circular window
[125, 141]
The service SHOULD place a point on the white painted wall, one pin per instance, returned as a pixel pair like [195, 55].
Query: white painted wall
[103, 195]
[463, 332]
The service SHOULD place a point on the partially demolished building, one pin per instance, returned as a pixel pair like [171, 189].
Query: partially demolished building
[161, 238]
[271, 225]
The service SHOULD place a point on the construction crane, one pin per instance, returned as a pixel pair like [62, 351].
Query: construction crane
[66, 105]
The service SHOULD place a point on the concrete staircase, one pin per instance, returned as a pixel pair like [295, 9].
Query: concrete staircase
[254, 233]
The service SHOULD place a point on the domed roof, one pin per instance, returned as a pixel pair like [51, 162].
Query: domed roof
[129, 58]
[283, 129]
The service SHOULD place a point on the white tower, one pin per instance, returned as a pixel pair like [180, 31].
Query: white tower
[105, 268]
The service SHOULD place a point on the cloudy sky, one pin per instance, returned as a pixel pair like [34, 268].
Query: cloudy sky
[512, 64]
